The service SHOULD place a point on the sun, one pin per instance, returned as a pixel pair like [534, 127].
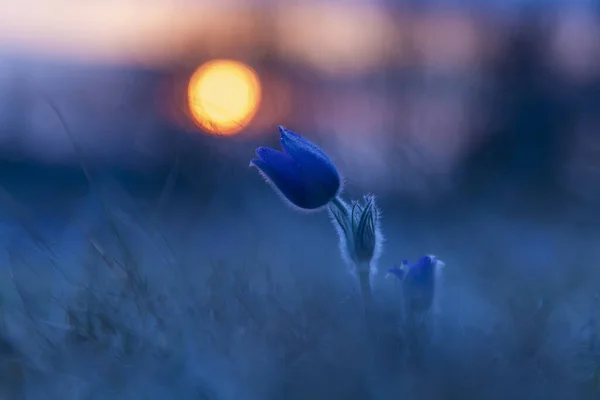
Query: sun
[223, 96]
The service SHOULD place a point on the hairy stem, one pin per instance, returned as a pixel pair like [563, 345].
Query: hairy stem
[363, 270]
[364, 278]
[340, 204]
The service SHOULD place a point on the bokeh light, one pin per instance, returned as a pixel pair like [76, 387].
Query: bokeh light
[223, 96]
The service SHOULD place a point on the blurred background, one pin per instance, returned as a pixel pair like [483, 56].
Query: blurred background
[421, 100]
[476, 123]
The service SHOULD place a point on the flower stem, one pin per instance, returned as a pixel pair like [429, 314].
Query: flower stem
[364, 278]
[340, 204]
[363, 270]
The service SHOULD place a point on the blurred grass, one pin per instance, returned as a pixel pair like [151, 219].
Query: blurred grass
[139, 320]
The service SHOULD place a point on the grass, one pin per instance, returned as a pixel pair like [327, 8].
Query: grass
[130, 309]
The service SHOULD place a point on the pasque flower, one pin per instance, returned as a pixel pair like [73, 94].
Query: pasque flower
[360, 236]
[420, 281]
[358, 227]
[307, 178]
[420, 286]
[302, 173]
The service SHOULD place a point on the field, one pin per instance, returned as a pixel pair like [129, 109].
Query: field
[238, 297]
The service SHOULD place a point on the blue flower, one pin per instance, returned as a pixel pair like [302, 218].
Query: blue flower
[302, 173]
[419, 281]
[422, 273]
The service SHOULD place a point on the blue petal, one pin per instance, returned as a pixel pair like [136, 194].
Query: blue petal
[422, 273]
[425, 262]
[315, 165]
[283, 173]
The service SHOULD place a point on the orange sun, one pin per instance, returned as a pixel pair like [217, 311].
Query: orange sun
[223, 96]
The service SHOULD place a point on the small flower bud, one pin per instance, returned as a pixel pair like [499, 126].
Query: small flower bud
[360, 237]
[358, 228]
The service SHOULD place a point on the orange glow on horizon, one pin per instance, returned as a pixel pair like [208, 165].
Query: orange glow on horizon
[223, 96]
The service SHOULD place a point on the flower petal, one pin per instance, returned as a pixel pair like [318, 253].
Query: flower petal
[315, 165]
[283, 173]
[422, 273]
